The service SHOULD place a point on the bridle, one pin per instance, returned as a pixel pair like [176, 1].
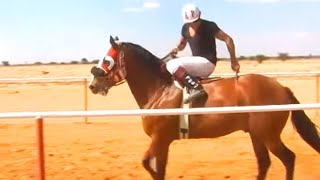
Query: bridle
[116, 59]
[120, 74]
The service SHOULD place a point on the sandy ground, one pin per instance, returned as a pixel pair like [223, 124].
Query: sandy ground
[112, 147]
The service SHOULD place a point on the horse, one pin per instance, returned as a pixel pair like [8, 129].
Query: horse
[154, 88]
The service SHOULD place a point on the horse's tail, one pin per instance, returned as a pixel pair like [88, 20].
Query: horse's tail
[303, 125]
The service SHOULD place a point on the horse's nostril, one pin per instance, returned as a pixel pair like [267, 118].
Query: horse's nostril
[91, 87]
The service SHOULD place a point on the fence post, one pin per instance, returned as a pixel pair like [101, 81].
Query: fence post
[40, 149]
[85, 99]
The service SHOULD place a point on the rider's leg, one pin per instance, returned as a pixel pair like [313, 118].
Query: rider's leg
[195, 88]
[185, 69]
[195, 65]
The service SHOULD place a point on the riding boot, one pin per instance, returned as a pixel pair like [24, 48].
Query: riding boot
[193, 86]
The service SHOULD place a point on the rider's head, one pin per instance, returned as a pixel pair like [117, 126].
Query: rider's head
[190, 13]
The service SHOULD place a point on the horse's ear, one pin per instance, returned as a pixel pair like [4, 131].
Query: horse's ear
[113, 42]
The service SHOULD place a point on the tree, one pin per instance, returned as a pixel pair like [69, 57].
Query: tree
[96, 61]
[37, 63]
[74, 62]
[260, 58]
[283, 56]
[242, 58]
[6, 63]
[84, 61]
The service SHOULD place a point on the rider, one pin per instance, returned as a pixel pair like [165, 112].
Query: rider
[200, 34]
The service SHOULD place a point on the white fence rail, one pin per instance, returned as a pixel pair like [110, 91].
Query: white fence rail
[38, 79]
[153, 112]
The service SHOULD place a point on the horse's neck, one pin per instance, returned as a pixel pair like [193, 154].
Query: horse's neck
[147, 90]
[144, 78]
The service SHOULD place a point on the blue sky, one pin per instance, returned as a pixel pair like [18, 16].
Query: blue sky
[65, 30]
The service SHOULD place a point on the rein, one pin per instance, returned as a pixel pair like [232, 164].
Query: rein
[120, 82]
[122, 72]
[168, 57]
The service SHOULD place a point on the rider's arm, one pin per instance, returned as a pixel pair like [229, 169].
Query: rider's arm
[231, 48]
[229, 42]
[182, 44]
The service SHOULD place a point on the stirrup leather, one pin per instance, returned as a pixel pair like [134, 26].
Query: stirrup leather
[195, 94]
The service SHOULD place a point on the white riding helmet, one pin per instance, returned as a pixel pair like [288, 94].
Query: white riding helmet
[190, 13]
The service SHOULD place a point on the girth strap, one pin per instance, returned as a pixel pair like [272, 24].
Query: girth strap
[184, 119]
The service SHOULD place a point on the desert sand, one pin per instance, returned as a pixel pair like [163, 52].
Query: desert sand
[112, 147]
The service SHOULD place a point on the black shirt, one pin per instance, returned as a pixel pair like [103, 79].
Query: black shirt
[203, 42]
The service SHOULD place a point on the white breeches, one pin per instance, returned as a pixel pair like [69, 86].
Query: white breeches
[195, 65]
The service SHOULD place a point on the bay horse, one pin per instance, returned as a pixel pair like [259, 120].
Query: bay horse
[154, 88]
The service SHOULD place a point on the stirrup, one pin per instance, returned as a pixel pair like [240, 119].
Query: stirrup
[194, 95]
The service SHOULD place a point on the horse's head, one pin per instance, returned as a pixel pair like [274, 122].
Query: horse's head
[131, 62]
[110, 71]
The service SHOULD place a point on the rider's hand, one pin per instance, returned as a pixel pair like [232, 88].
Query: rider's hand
[235, 65]
[174, 51]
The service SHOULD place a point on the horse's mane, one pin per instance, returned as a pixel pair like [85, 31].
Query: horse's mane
[149, 60]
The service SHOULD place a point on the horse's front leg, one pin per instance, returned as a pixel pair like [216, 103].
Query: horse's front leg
[155, 158]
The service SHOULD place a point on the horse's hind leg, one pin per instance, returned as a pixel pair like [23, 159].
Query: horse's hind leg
[263, 158]
[286, 156]
[155, 159]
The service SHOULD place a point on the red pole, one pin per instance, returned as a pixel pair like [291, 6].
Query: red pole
[40, 149]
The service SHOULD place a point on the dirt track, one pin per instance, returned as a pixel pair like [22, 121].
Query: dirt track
[112, 147]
